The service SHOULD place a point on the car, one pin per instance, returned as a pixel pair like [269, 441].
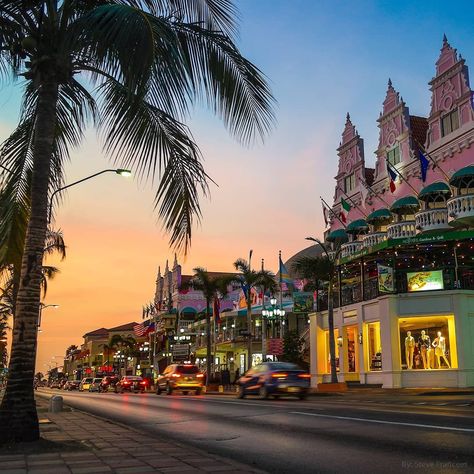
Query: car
[130, 383]
[108, 383]
[183, 377]
[54, 384]
[85, 383]
[95, 385]
[274, 379]
[71, 385]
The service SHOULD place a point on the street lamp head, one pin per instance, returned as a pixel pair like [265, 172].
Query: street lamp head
[273, 301]
[122, 172]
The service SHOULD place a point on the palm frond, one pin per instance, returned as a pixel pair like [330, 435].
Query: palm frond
[55, 243]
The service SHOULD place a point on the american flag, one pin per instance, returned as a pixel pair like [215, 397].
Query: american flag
[141, 329]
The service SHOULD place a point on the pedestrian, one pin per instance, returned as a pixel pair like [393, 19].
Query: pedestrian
[237, 375]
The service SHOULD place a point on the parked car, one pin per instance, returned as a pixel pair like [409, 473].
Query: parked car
[274, 379]
[108, 383]
[85, 384]
[54, 384]
[183, 377]
[71, 385]
[130, 383]
[95, 385]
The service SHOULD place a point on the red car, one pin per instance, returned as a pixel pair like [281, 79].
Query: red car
[130, 383]
[108, 383]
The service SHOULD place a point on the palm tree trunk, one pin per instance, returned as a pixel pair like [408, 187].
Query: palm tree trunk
[208, 343]
[249, 330]
[18, 416]
[332, 345]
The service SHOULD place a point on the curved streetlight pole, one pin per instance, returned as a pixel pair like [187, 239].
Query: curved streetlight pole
[121, 172]
[43, 306]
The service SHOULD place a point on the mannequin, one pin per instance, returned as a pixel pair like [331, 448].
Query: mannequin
[439, 344]
[409, 349]
[424, 344]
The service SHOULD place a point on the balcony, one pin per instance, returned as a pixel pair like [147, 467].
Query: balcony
[370, 240]
[401, 230]
[431, 220]
[351, 248]
[461, 210]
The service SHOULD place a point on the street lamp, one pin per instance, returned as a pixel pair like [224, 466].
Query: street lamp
[120, 171]
[274, 313]
[43, 306]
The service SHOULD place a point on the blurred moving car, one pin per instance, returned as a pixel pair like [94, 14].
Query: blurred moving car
[71, 385]
[85, 384]
[108, 383]
[95, 385]
[130, 383]
[274, 379]
[183, 377]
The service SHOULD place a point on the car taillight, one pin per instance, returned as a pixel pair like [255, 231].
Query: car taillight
[127, 383]
[304, 376]
[175, 375]
[143, 383]
[199, 376]
[279, 375]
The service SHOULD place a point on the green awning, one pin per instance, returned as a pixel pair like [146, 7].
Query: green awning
[357, 227]
[439, 187]
[407, 203]
[379, 215]
[338, 235]
[464, 174]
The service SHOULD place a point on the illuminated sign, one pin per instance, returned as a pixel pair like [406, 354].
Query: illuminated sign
[425, 281]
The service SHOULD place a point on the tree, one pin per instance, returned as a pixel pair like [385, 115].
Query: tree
[212, 287]
[148, 62]
[292, 347]
[324, 268]
[251, 279]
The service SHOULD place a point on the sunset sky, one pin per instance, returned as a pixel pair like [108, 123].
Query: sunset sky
[323, 59]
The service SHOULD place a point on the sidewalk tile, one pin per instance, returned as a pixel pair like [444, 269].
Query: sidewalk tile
[4, 465]
[90, 470]
[13, 471]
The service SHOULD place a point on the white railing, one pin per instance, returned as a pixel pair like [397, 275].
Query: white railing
[350, 248]
[461, 207]
[432, 219]
[400, 230]
[370, 240]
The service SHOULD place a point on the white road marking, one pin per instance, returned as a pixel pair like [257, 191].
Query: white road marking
[384, 422]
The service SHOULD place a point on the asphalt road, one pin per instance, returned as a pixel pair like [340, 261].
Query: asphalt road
[324, 434]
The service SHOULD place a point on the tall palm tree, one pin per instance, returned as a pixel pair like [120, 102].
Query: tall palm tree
[148, 62]
[212, 287]
[323, 268]
[251, 279]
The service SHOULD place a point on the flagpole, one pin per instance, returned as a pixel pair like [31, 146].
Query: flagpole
[401, 177]
[354, 204]
[332, 212]
[281, 291]
[264, 324]
[364, 183]
[432, 160]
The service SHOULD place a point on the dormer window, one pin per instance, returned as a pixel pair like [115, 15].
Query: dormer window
[449, 122]
[349, 183]
[393, 156]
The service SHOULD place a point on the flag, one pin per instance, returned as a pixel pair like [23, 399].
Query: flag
[216, 310]
[325, 214]
[392, 175]
[284, 275]
[424, 164]
[345, 208]
[141, 329]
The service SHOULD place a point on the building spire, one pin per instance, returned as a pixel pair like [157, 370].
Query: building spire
[175, 263]
[445, 39]
[167, 268]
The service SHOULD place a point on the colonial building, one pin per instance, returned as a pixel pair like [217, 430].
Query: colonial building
[404, 290]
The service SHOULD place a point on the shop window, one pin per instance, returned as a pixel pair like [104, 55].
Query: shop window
[373, 346]
[349, 183]
[450, 122]
[393, 156]
[428, 343]
[328, 356]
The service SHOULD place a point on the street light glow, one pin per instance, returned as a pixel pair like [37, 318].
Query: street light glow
[122, 172]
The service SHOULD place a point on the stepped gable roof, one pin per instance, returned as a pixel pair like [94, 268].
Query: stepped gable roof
[97, 333]
[419, 129]
[369, 175]
[124, 327]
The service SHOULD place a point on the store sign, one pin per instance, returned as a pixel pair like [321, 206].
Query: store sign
[302, 302]
[385, 279]
[275, 346]
[180, 351]
[425, 281]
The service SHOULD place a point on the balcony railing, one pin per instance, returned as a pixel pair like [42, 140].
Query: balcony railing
[461, 208]
[401, 230]
[370, 240]
[432, 219]
[351, 248]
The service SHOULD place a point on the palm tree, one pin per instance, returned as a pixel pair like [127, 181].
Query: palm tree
[249, 279]
[212, 287]
[148, 63]
[323, 268]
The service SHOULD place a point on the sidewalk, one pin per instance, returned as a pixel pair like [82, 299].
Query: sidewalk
[75, 442]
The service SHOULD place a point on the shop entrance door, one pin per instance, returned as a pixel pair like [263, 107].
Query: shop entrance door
[352, 354]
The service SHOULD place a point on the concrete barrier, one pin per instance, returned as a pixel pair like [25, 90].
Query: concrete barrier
[55, 404]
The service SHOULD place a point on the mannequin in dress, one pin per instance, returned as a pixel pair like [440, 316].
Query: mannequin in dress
[424, 344]
[409, 349]
[439, 344]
